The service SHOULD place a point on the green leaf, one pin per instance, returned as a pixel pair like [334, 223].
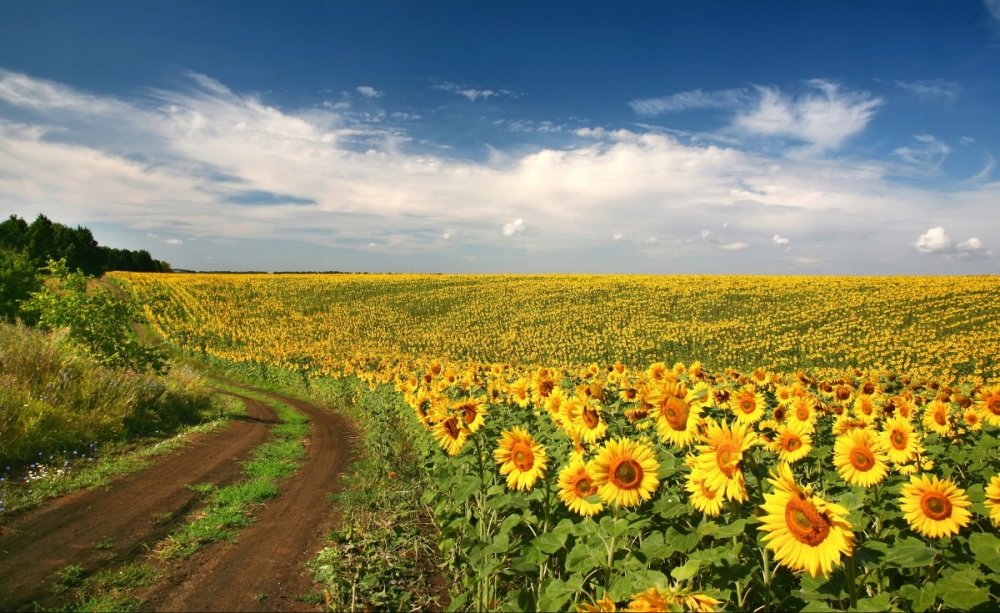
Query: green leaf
[909, 553]
[654, 548]
[871, 553]
[582, 558]
[925, 597]
[548, 542]
[555, 594]
[689, 570]
[508, 523]
[986, 548]
[732, 529]
[878, 603]
[959, 590]
[707, 528]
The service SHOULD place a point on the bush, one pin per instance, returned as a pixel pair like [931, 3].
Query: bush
[18, 279]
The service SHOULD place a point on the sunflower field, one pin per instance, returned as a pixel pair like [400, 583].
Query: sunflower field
[658, 443]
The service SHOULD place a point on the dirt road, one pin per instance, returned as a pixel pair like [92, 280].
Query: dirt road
[262, 570]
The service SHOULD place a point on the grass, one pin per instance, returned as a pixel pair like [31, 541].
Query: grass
[107, 590]
[230, 508]
[111, 460]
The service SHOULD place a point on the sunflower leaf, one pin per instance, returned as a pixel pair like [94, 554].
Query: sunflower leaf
[910, 553]
[959, 590]
[986, 548]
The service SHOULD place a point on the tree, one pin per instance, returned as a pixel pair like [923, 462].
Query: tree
[18, 279]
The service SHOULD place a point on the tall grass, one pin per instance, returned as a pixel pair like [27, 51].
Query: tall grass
[54, 397]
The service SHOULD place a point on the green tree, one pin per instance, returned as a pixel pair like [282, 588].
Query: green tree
[18, 279]
[95, 318]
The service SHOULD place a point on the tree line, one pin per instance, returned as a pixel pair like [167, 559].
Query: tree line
[43, 240]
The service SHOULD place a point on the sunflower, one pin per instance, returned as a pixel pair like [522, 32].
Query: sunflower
[602, 605]
[747, 405]
[520, 458]
[859, 458]
[703, 498]
[589, 424]
[792, 443]
[576, 484]
[899, 440]
[625, 471]
[553, 403]
[472, 411]
[450, 433]
[972, 418]
[802, 409]
[721, 456]
[988, 404]
[671, 599]
[993, 499]
[934, 507]
[804, 531]
[520, 393]
[677, 411]
[937, 418]
[845, 423]
[866, 408]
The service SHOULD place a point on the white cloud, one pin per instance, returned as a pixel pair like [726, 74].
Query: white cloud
[174, 163]
[173, 241]
[986, 170]
[473, 93]
[737, 246]
[780, 240]
[935, 240]
[932, 89]
[825, 117]
[694, 99]
[368, 91]
[706, 234]
[448, 235]
[515, 227]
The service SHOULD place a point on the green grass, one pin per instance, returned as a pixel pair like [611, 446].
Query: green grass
[108, 590]
[112, 459]
[230, 509]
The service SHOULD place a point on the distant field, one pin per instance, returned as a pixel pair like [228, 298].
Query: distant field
[938, 326]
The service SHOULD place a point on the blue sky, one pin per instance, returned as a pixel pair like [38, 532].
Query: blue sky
[647, 137]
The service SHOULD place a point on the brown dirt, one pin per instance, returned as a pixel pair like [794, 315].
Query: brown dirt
[264, 570]
[96, 527]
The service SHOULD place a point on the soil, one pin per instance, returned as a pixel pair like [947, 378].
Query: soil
[263, 570]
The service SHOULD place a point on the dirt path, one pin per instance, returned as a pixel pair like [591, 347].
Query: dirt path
[264, 569]
[92, 528]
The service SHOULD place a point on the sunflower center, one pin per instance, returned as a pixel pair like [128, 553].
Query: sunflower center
[994, 405]
[675, 411]
[792, 443]
[590, 418]
[706, 492]
[747, 405]
[545, 388]
[779, 414]
[627, 474]
[630, 393]
[584, 487]
[469, 413]
[451, 427]
[940, 418]
[726, 456]
[862, 459]
[802, 412]
[805, 523]
[971, 418]
[898, 439]
[866, 408]
[935, 505]
[522, 456]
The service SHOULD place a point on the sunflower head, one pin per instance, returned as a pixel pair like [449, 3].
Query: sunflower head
[899, 440]
[520, 458]
[625, 472]
[988, 403]
[859, 458]
[577, 488]
[993, 499]
[804, 531]
[934, 507]
[747, 405]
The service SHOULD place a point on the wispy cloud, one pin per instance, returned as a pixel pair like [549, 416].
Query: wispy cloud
[515, 227]
[928, 153]
[825, 117]
[689, 100]
[474, 93]
[932, 89]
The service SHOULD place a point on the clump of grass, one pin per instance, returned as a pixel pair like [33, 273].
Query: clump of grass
[56, 397]
[108, 590]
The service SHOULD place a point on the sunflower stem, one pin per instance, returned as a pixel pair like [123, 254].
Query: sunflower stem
[766, 576]
[852, 584]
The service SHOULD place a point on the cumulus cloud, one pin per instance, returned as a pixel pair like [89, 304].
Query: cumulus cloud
[368, 91]
[694, 99]
[937, 241]
[448, 235]
[825, 117]
[737, 246]
[780, 240]
[174, 241]
[515, 227]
